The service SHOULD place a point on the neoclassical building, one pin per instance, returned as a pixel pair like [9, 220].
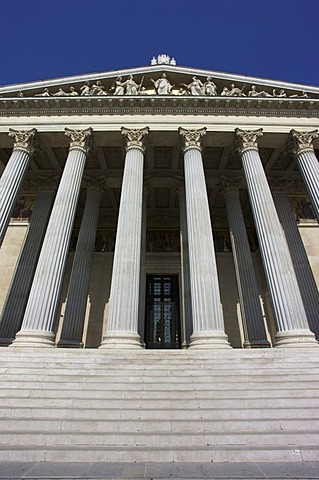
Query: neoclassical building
[159, 269]
[159, 207]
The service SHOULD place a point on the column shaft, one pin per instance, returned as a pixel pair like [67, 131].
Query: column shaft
[292, 325]
[208, 322]
[253, 322]
[13, 175]
[74, 315]
[13, 310]
[304, 275]
[309, 168]
[41, 311]
[308, 164]
[122, 325]
[185, 272]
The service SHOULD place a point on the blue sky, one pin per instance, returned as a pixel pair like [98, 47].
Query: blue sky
[43, 39]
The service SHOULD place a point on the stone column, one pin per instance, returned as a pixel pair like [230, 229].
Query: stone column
[74, 315]
[122, 325]
[308, 164]
[41, 311]
[15, 303]
[208, 322]
[185, 273]
[253, 322]
[14, 173]
[304, 275]
[290, 316]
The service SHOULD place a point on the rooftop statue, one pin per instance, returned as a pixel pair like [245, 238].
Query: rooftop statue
[163, 59]
[233, 91]
[119, 87]
[253, 93]
[85, 89]
[195, 87]
[281, 93]
[162, 85]
[131, 87]
[98, 89]
[210, 88]
[302, 95]
[45, 93]
[61, 93]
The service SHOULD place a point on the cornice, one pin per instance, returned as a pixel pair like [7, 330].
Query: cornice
[155, 105]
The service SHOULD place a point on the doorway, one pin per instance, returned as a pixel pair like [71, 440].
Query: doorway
[162, 318]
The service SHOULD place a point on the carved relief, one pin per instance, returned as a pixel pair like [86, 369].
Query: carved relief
[79, 138]
[191, 138]
[135, 137]
[23, 139]
[247, 139]
[303, 140]
[23, 208]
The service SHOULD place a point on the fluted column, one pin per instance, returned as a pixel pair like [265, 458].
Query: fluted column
[122, 328]
[290, 316]
[253, 322]
[14, 173]
[304, 275]
[41, 311]
[185, 273]
[308, 164]
[74, 314]
[208, 322]
[15, 303]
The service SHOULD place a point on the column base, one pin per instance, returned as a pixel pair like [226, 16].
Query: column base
[69, 344]
[127, 340]
[210, 339]
[295, 338]
[257, 344]
[33, 339]
[5, 342]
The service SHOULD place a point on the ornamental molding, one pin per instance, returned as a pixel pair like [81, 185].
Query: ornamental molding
[179, 184]
[23, 139]
[80, 139]
[135, 137]
[146, 185]
[191, 138]
[303, 140]
[247, 139]
[287, 186]
[159, 104]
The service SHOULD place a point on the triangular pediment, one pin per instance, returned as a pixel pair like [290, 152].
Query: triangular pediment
[180, 80]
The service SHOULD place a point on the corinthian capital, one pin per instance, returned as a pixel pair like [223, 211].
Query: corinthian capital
[95, 185]
[79, 138]
[248, 139]
[23, 139]
[135, 137]
[191, 138]
[303, 140]
[229, 184]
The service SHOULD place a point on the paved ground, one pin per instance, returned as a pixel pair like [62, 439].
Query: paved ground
[160, 471]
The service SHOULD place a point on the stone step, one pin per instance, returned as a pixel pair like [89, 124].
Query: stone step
[21, 424]
[164, 403]
[191, 393]
[159, 414]
[229, 454]
[159, 439]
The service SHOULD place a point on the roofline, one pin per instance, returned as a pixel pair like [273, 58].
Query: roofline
[158, 68]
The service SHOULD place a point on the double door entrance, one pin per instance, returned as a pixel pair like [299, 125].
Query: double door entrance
[162, 318]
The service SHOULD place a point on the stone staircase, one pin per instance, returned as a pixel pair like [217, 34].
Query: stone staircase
[59, 405]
